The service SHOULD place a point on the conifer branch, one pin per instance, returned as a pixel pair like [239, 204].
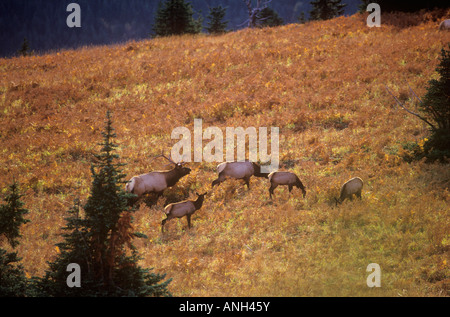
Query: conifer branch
[433, 127]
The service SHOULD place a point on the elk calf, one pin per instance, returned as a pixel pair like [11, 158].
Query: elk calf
[239, 170]
[285, 178]
[351, 187]
[183, 208]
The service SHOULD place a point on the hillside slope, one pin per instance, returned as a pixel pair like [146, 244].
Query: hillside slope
[321, 83]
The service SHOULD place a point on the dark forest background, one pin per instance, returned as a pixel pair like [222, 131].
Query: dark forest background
[43, 22]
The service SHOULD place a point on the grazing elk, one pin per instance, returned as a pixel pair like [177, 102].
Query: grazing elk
[239, 170]
[157, 181]
[350, 188]
[183, 208]
[285, 178]
[445, 25]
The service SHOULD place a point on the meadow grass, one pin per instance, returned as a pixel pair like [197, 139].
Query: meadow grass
[321, 83]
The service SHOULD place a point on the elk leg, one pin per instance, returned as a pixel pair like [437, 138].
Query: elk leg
[162, 224]
[290, 189]
[271, 189]
[189, 220]
[247, 182]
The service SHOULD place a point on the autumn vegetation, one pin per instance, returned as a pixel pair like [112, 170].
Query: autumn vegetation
[322, 83]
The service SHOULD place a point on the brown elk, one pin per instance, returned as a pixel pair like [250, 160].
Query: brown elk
[285, 178]
[445, 25]
[157, 181]
[183, 208]
[351, 187]
[238, 170]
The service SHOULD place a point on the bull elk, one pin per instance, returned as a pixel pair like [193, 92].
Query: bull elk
[351, 187]
[238, 170]
[285, 178]
[156, 181]
[183, 208]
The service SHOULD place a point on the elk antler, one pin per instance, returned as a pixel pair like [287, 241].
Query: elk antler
[162, 155]
[169, 159]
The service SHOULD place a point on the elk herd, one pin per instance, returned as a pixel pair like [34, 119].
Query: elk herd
[157, 181]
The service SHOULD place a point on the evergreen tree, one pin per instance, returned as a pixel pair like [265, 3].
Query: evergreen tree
[13, 282]
[363, 5]
[100, 242]
[216, 24]
[435, 112]
[175, 17]
[301, 19]
[11, 215]
[25, 48]
[326, 9]
[269, 17]
[436, 106]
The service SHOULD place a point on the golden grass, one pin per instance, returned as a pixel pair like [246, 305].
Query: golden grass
[322, 83]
